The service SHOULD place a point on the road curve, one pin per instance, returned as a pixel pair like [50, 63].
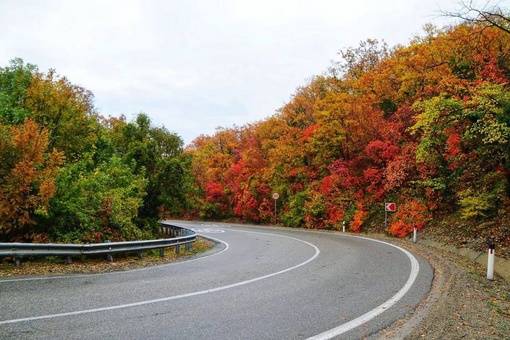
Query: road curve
[258, 283]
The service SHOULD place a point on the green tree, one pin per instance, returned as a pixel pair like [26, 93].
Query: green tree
[96, 202]
[15, 79]
[157, 153]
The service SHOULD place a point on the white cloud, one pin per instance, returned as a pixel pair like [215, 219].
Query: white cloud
[198, 64]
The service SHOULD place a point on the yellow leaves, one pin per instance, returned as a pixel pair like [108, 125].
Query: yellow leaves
[474, 204]
[491, 131]
[47, 189]
[65, 110]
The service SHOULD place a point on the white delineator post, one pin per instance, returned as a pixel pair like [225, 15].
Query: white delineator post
[343, 226]
[490, 263]
[414, 234]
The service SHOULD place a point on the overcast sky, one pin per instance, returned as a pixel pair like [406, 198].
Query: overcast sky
[194, 65]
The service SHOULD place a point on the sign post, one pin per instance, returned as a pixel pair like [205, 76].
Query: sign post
[276, 196]
[391, 207]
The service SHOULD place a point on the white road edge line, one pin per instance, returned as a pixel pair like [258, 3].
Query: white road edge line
[207, 291]
[415, 268]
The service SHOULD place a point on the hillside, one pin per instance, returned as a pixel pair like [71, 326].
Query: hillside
[425, 126]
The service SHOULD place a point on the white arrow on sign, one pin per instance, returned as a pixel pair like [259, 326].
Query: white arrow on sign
[390, 206]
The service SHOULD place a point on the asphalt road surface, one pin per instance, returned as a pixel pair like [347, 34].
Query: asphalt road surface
[258, 283]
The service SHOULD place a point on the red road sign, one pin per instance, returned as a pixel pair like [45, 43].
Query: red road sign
[390, 206]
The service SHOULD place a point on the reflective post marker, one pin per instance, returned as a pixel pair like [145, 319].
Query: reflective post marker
[414, 235]
[490, 262]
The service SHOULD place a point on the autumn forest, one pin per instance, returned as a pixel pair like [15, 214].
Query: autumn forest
[426, 125]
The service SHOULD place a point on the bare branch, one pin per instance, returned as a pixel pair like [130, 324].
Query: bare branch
[488, 15]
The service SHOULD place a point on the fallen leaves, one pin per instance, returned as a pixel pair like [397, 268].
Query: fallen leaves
[58, 266]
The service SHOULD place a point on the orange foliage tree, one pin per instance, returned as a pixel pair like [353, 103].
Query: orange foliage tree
[411, 214]
[28, 170]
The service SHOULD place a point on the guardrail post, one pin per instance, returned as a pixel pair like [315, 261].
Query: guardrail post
[187, 246]
[18, 261]
[109, 256]
[69, 259]
[178, 249]
[161, 252]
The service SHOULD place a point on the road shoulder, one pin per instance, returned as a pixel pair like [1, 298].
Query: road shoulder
[462, 303]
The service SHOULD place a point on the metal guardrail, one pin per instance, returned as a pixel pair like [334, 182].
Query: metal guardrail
[179, 236]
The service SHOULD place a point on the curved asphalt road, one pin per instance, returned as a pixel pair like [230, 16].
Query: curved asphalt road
[259, 283]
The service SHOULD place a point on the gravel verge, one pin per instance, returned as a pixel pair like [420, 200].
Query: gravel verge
[462, 303]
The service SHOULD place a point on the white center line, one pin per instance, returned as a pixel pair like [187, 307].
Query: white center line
[169, 298]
